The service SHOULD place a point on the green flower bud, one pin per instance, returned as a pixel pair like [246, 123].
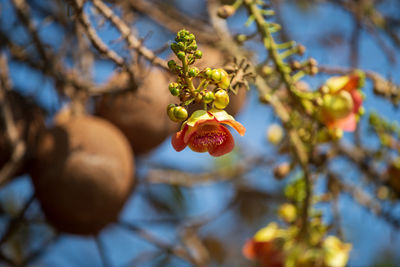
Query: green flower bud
[221, 99]
[192, 37]
[181, 46]
[216, 75]
[180, 113]
[208, 72]
[170, 112]
[173, 88]
[192, 46]
[175, 48]
[198, 54]
[171, 64]
[181, 34]
[198, 98]
[338, 106]
[208, 97]
[193, 72]
[181, 55]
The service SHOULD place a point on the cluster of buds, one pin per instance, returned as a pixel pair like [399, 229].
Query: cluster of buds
[208, 86]
[203, 130]
[339, 105]
[276, 246]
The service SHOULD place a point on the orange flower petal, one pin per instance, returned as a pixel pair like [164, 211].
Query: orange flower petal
[177, 140]
[357, 100]
[248, 250]
[347, 124]
[353, 83]
[236, 125]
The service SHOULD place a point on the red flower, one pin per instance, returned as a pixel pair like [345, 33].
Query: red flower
[342, 102]
[262, 247]
[264, 252]
[204, 131]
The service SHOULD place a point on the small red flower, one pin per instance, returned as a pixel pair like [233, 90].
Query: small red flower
[204, 131]
[342, 103]
[263, 249]
[264, 252]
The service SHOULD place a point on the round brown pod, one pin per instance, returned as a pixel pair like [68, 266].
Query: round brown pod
[214, 58]
[83, 174]
[141, 114]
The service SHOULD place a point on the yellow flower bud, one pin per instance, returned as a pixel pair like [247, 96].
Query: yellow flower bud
[338, 106]
[274, 133]
[221, 99]
[180, 113]
[170, 112]
[208, 97]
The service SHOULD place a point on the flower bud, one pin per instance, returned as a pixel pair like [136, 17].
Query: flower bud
[198, 54]
[301, 49]
[208, 97]
[173, 88]
[287, 212]
[336, 133]
[181, 46]
[274, 134]
[171, 64]
[282, 170]
[192, 46]
[175, 47]
[226, 11]
[221, 99]
[338, 106]
[208, 72]
[216, 75]
[193, 72]
[181, 55]
[180, 113]
[170, 112]
[225, 81]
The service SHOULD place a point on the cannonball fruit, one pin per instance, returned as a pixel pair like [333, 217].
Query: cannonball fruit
[141, 114]
[83, 173]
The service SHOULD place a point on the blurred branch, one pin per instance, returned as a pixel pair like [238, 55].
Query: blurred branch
[180, 178]
[367, 201]
[8, 171]
[94, 38]
[15, 222]
[102, 251]
[127, 34]
[173, 20]
[175, 250]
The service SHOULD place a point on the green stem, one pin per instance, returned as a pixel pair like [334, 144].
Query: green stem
[188, 80]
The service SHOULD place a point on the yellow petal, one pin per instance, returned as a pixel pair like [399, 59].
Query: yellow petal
[198, 115]
[267, 233]
[336, 83]
[336, 252]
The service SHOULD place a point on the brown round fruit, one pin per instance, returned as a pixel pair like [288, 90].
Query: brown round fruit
[140, 115]
[83, 174]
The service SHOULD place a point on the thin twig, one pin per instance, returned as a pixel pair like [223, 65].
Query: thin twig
[126, 33]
